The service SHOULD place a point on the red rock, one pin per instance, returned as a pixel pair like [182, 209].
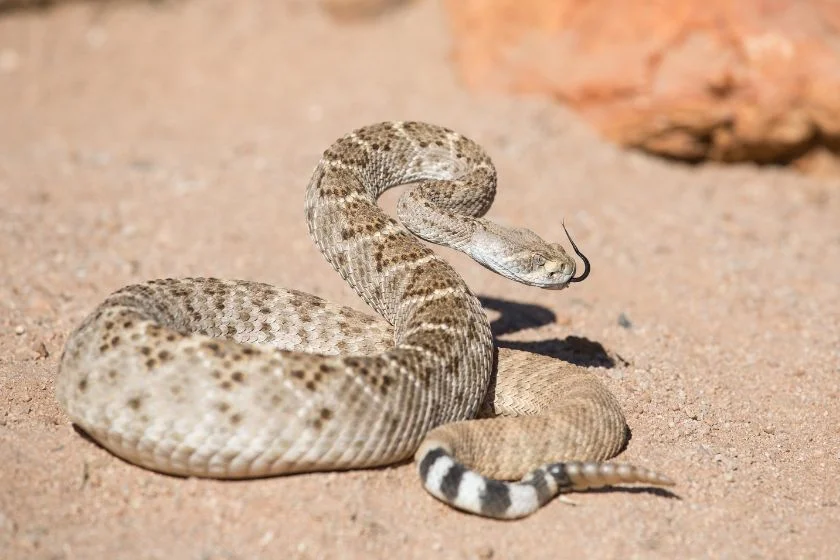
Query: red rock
[730, 81]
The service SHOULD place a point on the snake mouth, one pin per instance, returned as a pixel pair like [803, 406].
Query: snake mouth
[586, 266]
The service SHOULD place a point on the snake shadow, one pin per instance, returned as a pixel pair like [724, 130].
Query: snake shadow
[515, 316]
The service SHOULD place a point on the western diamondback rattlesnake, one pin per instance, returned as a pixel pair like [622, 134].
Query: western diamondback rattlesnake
[236, 379]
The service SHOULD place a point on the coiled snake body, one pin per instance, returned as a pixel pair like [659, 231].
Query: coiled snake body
[237, 379]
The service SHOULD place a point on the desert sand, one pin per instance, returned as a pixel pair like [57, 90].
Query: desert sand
[144, 140]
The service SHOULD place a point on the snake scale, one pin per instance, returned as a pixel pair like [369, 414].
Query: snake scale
[237, 379]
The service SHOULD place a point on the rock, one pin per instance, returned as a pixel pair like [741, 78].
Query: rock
[355, 10]
[12, 5]
[691, 79]
[624, 321]
[40, 349]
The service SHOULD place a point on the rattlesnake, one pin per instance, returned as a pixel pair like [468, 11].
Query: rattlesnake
[236, 379]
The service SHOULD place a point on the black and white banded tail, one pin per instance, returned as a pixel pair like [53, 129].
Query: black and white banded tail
[454, 484]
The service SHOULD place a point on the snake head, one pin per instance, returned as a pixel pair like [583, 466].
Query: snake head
[523, 256]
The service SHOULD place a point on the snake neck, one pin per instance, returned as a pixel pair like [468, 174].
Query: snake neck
[379, 256]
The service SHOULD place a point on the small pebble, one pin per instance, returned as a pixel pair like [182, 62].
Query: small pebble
[267, 537]
[485, 552]
[41, 349]
[624, 322]
[20, 329]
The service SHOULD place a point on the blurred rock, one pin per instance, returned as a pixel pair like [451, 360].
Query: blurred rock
[353, 10]
[24, 5]
[10, 5]
[15, 4]
[756, 80]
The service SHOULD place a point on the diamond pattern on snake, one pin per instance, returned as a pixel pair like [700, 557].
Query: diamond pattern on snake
[235, 379]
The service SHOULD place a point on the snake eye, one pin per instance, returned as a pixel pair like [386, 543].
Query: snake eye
[539, 260]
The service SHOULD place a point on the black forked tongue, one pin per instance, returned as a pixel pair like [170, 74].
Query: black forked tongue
[586, 267]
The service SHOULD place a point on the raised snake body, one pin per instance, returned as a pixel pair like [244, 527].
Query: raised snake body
[237, 379]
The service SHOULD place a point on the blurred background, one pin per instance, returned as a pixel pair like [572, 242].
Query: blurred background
[689, 80]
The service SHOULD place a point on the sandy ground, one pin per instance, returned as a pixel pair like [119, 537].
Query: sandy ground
[144, 141]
